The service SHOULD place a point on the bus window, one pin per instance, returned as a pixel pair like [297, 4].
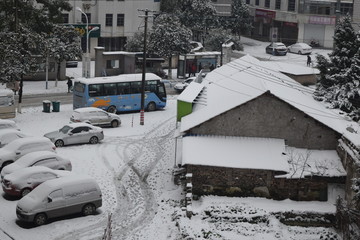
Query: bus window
[135, 87]
[96, 90]
[79, 87]
[123, 88]
[110, 89]
[150, 86]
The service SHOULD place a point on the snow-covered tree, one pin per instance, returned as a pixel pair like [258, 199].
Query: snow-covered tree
[168, 6]
[217, 37]
[197, 15]
[63, 44]
[339, 76]
[169, 37]
[240, 20]
[136, 42]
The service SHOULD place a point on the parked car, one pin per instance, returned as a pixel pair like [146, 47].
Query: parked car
[60, 197]
[8, 135]
[5, 123]
[276, 48]
[19, 147]
[23, 181]
[300, 48]
[76, 133]
[179, 87]
[95, 116]
[40, 158]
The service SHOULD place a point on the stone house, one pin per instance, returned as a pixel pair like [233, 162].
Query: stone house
[243, 101]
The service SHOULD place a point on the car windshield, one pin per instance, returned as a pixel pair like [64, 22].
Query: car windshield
[65, 129]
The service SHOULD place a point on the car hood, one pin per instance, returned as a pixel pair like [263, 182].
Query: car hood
[28, 203]
[5, 155]
[54, 134]
[180, 85]
[10, 168]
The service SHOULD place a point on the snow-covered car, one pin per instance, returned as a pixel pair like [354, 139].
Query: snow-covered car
[8, 135]
[5, 123]
[95, 116]
[76, 133]
[23, 181]
[19, 147]
[179, 87]
[40, 158]
[300, 48]
[276, 48]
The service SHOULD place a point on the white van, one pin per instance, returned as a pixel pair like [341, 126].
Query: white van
[60, 197]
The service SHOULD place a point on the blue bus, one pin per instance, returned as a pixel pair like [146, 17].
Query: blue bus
[120, 93]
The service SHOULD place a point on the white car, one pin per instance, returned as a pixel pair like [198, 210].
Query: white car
[76, 133]
[179, 87]
[40, 158]
[8, 135]
[5, 123]
[95, 116]
[300, 48]
[23, 181]
[19, 147]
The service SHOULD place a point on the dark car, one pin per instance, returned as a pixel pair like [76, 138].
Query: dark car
[277, 48]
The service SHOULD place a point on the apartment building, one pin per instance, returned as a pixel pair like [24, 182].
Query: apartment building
[293, 21]
[117, 20]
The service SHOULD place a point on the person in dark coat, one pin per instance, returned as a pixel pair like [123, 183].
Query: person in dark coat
[69, 83]
[308, 63]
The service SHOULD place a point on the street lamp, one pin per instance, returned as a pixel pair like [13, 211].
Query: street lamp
[86, 73]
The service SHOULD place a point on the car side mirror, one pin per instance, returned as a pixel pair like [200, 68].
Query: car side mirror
[70, 133]
[49, 199]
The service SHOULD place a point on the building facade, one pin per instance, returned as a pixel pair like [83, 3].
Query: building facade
[296, 20]
[117, 20]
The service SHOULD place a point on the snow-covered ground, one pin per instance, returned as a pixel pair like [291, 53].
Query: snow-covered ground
[133, 166]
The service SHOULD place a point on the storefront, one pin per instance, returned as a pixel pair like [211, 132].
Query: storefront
[190, 64]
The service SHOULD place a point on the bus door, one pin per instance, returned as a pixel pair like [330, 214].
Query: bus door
[124, 97]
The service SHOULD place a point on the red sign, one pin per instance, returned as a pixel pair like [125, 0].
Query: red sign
[322, 20]
[261, 13]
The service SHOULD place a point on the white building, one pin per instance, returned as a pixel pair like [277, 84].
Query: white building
[295, 20]
[117, 19]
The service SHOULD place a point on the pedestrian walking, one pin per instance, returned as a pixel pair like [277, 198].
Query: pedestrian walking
[69, 83]
[308, 63]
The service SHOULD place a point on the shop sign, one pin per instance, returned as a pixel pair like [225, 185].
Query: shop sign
[322, 20]
[261, 13]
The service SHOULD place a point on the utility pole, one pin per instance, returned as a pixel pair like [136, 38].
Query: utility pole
[146, 16]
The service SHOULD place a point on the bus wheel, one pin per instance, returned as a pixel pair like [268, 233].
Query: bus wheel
[112, 109]
[151, 107]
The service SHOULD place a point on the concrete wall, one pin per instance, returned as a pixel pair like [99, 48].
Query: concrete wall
[270, 117]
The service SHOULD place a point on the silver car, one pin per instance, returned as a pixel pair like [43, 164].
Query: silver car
[8, 135]
[95, 116]
[76, 133]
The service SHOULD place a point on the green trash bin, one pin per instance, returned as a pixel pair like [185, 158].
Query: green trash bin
[56, 106]
[46, 106]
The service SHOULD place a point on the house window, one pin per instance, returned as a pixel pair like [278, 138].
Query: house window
[267, 3]
[291, 5]
[257, 2]
[65, 17]
[247, 1]
[83, 18]
[108, 20]
[120, 19]
[278, 4]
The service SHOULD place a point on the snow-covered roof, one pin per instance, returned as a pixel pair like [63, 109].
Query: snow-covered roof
[306, 163]
[289, 68]
[189, 94]
[118, 78]
[245, 79]
[235, 152]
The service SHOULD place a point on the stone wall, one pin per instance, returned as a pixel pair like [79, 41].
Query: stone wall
[208, 180]
[269, 117]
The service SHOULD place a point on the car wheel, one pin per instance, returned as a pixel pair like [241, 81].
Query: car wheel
[25, 191]
[151, 107]
[59, 143]
[114, 124]
[40, 219]
[94, 140]
[112, 109]
[88, 209]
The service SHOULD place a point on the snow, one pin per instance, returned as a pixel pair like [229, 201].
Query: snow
[240, 152]
[190, 95]
[133, 167]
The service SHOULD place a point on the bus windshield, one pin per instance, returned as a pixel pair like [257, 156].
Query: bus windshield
[120, 93]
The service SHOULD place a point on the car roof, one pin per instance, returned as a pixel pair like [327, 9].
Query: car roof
[79, 124]
[35, 156]
[27, 171]
[88, 109]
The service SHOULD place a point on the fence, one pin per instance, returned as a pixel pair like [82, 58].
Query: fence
[348, 221]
